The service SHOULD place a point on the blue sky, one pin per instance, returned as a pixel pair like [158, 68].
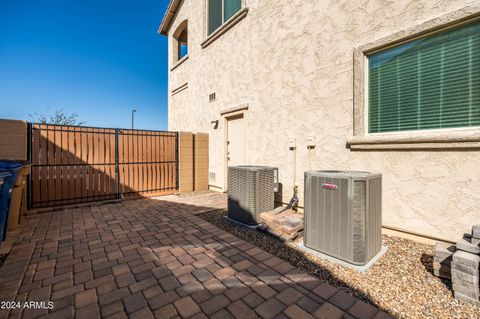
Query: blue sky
[99, 59]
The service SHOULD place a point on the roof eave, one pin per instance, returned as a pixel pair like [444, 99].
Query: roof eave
[168, 17]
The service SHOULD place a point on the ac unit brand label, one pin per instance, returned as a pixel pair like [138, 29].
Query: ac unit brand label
[329, 186]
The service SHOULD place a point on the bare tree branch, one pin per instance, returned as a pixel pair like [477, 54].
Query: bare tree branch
[59, 117]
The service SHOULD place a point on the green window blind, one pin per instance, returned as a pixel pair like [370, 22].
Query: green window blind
[231, 7]
[215, 18]
[220, 11]
[428, 83]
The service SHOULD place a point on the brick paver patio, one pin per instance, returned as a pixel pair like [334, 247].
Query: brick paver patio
[156, 259]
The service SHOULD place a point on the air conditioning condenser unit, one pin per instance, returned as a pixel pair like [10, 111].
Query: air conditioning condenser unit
[343, 214]
[251, 191]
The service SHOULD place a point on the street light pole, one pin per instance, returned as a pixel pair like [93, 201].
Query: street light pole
[133, 118]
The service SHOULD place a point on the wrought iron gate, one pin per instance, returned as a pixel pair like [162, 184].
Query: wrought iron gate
[73, 164]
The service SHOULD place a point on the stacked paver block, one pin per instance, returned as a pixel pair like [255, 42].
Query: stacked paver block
[443, 259]
[285, 223]
[461, 264]
[476, 234]
[465, 277]
[465, 268]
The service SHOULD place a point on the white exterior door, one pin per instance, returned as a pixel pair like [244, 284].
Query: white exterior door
[236, 141]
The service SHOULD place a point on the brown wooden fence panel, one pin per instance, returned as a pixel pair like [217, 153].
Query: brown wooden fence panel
[141, 154]
[73, 164]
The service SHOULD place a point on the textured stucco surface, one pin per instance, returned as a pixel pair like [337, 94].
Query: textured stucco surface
[292, 63]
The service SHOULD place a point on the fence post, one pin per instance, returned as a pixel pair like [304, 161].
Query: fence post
[200, 161]
[177, 161]
[185, 162]
[29, 159]
[117, 172]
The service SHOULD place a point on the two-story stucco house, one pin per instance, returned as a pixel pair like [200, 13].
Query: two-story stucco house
[384, 86]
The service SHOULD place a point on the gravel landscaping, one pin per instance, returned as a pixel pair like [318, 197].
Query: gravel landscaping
[401, 282]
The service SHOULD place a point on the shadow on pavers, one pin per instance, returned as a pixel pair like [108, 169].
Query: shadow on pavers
[157, 229]
[280, 249]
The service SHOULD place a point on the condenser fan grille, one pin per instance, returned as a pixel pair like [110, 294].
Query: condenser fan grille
[250, 192]
[343, 214]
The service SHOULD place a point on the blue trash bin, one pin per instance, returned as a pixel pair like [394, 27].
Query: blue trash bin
[2, 177]
[8, 170]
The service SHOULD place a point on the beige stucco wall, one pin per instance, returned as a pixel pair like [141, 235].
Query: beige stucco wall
[292, 63]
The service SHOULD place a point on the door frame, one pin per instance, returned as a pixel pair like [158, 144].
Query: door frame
[228, 116]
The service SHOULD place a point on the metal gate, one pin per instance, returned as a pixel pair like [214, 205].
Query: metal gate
[73, 164]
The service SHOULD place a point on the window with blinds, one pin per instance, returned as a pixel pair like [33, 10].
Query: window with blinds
[427, 83]
[219, 11]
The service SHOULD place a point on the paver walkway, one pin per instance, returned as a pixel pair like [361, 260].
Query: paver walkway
[155, 259]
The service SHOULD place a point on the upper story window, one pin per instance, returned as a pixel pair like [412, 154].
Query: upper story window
[183, 44]
[219, 11]
[180, 39]
[427, 83]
